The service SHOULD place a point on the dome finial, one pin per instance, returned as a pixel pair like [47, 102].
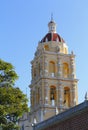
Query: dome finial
[52, 25]
[51, 16]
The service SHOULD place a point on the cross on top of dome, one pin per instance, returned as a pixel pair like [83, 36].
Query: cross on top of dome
[52, 25]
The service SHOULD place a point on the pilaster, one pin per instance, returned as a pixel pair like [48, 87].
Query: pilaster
[59, 68]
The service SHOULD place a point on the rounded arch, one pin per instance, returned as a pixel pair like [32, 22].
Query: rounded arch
[52, 68]
[53, 95]
[65, 70]
[67, 96]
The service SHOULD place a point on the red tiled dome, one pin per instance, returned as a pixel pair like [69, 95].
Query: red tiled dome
[52, 37]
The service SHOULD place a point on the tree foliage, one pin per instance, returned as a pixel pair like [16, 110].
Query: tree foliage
[7, 73]
[13, 103]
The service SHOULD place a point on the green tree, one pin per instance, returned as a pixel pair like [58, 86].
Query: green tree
[8, 75]
[13, 103]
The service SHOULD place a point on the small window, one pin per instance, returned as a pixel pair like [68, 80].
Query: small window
[46, 39]
[57, 39]
[53, 27]
[46, 47]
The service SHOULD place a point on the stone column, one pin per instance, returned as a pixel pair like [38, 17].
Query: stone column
[41, 68]
[59, 68]
[41, 117]
[46, 91]
[45, 66]
[31, 97]
[73, 74]
[61, 92]
[74, 94]
[37, 69]
[57, 96]
[41, 93]
[34, 97]
[71, 97]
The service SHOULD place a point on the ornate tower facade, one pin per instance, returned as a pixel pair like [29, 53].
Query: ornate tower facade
[54, 84]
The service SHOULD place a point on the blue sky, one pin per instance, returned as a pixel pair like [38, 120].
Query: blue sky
[24, 22]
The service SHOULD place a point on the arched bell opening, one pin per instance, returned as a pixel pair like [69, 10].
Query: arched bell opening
[65, 70]
[67, 96]
[52, 68]
[53, 95]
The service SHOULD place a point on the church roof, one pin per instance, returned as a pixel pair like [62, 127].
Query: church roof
[52, 37]
[72, 116]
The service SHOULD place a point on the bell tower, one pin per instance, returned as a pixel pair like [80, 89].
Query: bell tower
[54, 84]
